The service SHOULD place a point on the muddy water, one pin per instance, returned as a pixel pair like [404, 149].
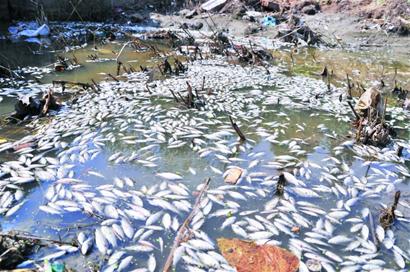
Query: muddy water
[320, 136]
[105, 63]
[364, 67]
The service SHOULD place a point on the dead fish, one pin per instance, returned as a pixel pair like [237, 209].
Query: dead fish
[169, 176]
[152, 263]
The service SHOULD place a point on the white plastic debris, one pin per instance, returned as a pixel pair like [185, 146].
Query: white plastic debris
[43, 30]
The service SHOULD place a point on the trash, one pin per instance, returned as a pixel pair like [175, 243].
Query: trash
[314, 265]
[43, 30]
[296, 31]
[370, 99]
[268, 21]
[406, 104]
[248, 256]
[233, 175]
[213, 5]
[59, 67]
[53, 267]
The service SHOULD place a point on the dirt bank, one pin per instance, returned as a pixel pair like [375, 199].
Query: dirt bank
[77, 10]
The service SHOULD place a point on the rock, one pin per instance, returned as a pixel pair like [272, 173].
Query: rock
[183, 12]
[137, 18]
[401, 26]
[193, 26]
[235, 7]
[307, 3]
[191, 14]
[270, 5]
[233, 175]
[30, 106]
[251, 30]
[309, 10]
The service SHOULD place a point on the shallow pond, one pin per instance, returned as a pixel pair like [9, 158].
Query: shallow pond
[123, 168]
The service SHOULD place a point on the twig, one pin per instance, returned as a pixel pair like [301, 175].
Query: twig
[173, 94]
[63, 82]
[96, 85]
[237, 130]
[113, 77]
[47, 103]
[119, 54]
[184, 227]
[295, 30]
[354, 111]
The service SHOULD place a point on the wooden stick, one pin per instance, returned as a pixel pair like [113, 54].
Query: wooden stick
[173, 94]
[64, 82]
[384, 109]
[190, 97]
[119, 64]
[47, 103]
[122, 49]
[148, 89]
[184, 227]
[237, 130]
[354, 111]
[96, 85]
[203, 85]
[113, 77]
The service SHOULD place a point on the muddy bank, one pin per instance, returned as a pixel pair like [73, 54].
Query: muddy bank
[66, 10]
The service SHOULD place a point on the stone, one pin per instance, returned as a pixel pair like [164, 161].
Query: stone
[270, 5]
[309, 10]
[191, 14]
[137, 18]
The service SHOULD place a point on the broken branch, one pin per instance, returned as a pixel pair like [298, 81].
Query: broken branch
[184, 227]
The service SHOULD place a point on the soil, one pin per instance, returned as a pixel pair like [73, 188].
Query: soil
[349, 24]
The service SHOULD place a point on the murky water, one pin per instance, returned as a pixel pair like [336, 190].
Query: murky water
[311, 135]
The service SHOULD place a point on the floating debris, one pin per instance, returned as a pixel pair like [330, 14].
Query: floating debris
[247, 256]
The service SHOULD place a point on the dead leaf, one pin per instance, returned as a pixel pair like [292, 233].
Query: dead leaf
[295, 229]
[249, 257]
[233, 175]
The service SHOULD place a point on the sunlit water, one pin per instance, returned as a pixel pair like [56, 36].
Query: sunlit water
[320, 135]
